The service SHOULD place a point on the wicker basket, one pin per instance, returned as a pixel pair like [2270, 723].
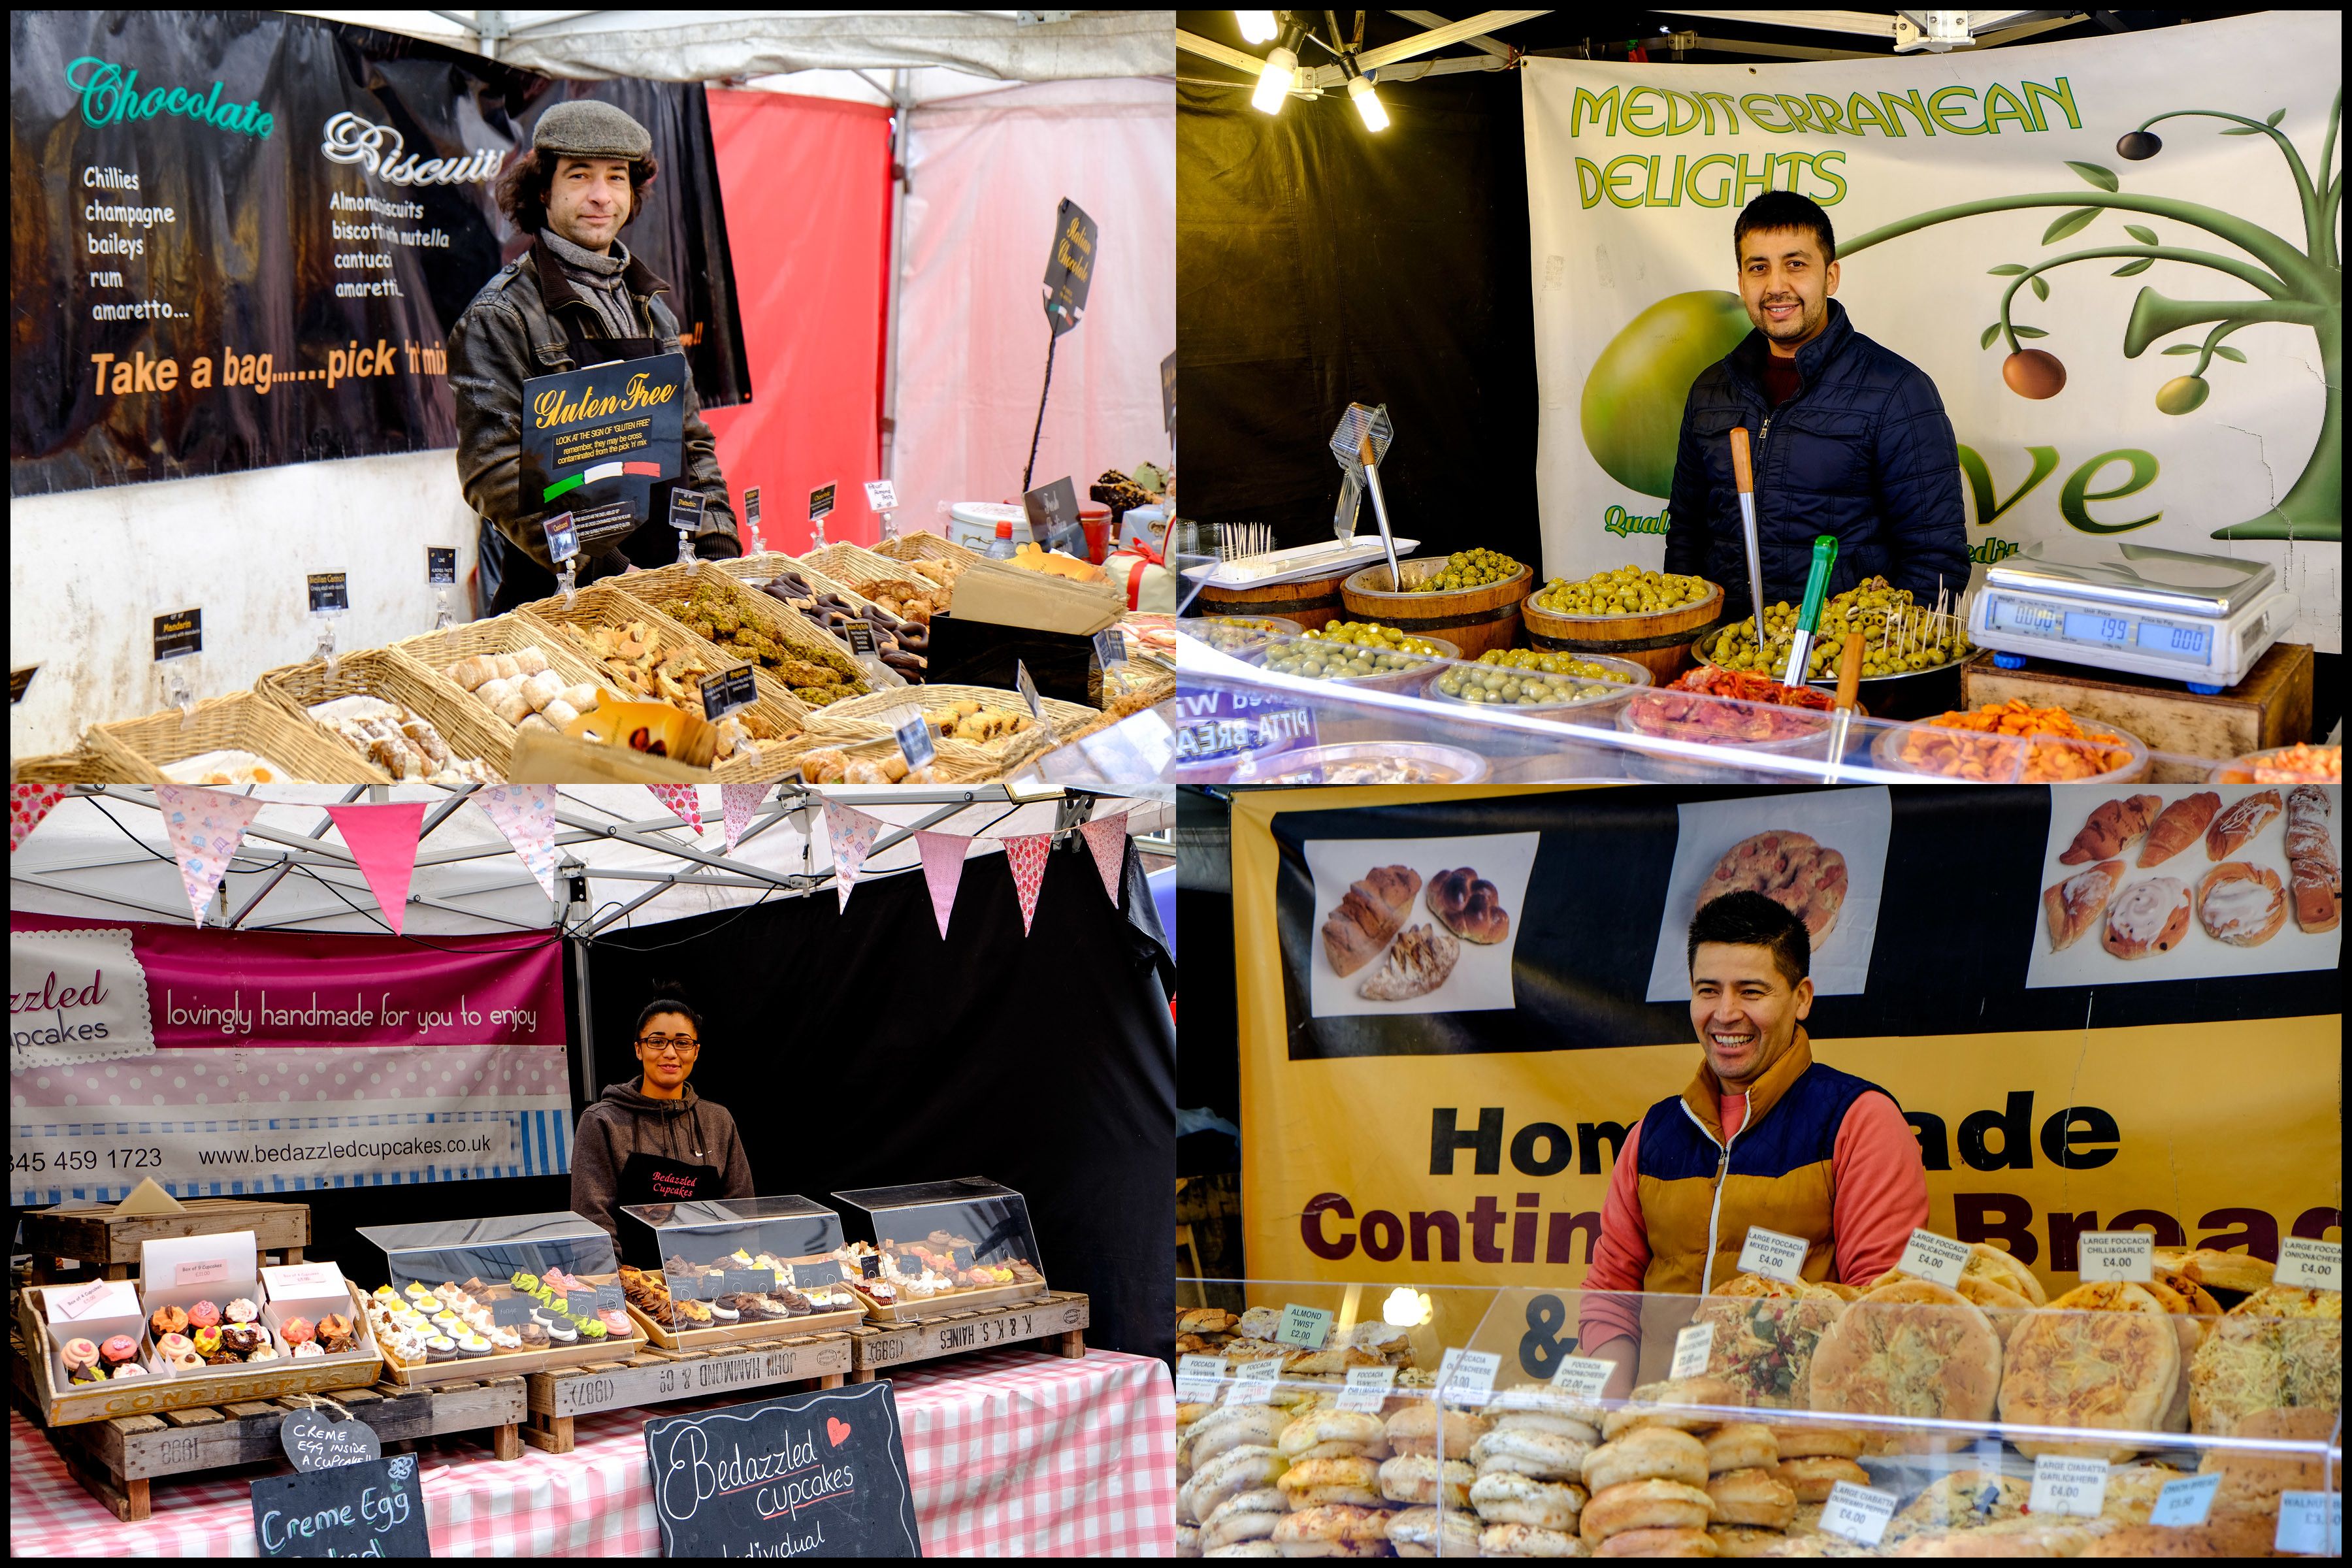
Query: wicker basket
[606, 604]
[754, 568]
[437, 651]
[926, 547]
[958, 761]
[954, 764]
[853, 565]
[80, 765]
[468, 729]
[139, 749]
[773, 616]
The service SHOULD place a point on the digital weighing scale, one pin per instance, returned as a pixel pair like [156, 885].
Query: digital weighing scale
[2204, 620]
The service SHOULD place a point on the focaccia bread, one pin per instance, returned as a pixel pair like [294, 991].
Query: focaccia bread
[2103, 1355]
[1765, 1333]
[1912, 1348]
[2282, 1348]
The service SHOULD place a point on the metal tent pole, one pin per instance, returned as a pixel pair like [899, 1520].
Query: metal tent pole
[902, 106]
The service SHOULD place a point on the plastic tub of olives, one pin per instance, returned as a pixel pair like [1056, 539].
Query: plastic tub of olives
[1361, 667]
[1595, 679]
[1238, 634]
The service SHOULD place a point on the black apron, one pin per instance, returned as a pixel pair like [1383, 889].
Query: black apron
[658, 1179]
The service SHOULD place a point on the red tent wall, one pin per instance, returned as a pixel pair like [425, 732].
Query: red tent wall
[807, 186]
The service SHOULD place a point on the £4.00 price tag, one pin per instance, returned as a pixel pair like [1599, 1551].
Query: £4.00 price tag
[1858, 1513]
[1938, 1257]
[2186, 1502]
[2318, 1265]
[1582, 1377]
[1253, 1381]
[1467, 1377]
[1304, 1327]
[1367, 1389]
[2062, 1485]
[1692, 1348]
[2311, 1524]
[1772, 1254]
[2128, 1255]
[1197, 1377]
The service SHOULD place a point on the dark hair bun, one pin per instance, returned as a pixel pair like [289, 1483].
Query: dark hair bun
[668, 996]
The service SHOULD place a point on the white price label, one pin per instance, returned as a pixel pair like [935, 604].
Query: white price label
[1772, 1255]
[1936, 1258]
[1582, 1377]
[100, 1298]
[2128, 1255]
[201, 1271]
[2319, 1265]
[1692, 1348]
[1367, 1389]
[1467, 1377]
[2311, 1524]
[1253, 1381]
[881, 496]
[1197, 1377]
[1306, 1327]
[303, 1282]
[2062, 1485]
[1860, 1514]
[2185, 1502]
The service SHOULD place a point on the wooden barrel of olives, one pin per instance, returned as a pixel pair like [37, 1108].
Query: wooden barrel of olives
[1474, 619]
[1658, 641]
[1313, 602]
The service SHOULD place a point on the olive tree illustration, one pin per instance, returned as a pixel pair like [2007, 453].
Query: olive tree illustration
[2303, 287]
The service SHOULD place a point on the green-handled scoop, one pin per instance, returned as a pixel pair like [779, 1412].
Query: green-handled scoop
[1809, 618]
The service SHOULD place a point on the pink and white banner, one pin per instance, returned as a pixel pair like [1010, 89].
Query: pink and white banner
[290, 1061]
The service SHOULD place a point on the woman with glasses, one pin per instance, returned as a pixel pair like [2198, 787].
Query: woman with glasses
[654, 1140]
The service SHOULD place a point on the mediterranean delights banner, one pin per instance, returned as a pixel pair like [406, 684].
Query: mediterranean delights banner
[2116, 257]
[239, 238]
[264, 1062]
[1445, 1110]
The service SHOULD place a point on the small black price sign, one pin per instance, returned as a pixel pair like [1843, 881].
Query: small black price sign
[817, 1275]
[1168, 394]
[694, 1285]
[440, 566]
[19, 678]
[314, 1440]
[510, 1312]
[373, 1509]
[331, 592]
[821, 501]
[723, 694]
[686, 511]
[179, 634]
[860, 635]
[609, 1299]
[747, 1281]
[1053, 517]
[915, 742]
[869, 1266]
[1027, 687]
[960, 1256]
[1106, 647]
[1070, 269]
[562, 539]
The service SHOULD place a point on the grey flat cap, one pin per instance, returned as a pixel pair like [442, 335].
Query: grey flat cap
[584, 128]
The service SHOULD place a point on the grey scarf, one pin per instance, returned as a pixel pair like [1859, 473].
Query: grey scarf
[600, 282]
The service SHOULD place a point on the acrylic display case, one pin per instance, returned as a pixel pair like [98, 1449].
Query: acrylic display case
[941, 1246]
[718, 1271]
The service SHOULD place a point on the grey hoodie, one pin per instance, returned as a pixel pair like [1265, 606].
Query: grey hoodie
[625, 1121]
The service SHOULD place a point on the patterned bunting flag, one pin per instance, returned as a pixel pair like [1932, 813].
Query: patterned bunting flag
[738, 802]
[1026, 853]
[683, 802]
[852, 833]
[383, 841]
[526, 814]
[1107, 837]
[943, 855]
[27, 803]
[206, 828]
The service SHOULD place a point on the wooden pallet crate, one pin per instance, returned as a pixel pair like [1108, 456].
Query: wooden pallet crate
[1058, 1318]
[658, 1376]
[110, 1242]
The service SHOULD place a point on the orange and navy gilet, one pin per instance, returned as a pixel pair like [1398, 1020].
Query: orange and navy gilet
[1699, 1198]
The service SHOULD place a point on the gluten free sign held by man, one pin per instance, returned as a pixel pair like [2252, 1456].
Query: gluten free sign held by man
[576, 298]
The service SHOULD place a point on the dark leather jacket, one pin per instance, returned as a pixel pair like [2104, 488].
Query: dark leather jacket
[511, 332]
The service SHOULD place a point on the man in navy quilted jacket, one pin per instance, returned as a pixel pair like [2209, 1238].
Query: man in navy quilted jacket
[1849, 438]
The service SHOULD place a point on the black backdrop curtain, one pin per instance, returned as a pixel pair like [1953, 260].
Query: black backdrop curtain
[1317, 265]
[857, 1051]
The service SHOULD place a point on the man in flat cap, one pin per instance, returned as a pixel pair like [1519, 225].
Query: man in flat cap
[575, 297]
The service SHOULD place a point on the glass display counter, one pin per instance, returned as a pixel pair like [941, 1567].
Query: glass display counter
[489, 1297]
[710, 1271]
[942, 1245]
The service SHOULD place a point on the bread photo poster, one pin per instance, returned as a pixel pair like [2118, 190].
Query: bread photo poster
[1821, 855]
[1416, 925]
[2186, 881]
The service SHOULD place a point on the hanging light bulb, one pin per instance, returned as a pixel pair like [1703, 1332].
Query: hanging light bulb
[1257, 27]
[1274, 81]
[1368, 103]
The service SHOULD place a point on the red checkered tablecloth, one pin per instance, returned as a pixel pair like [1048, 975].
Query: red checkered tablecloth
[1011, 1453]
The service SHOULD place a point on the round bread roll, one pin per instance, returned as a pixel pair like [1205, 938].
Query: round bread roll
[1812, 1476]
[1260, 1323]
[1247, 1549]
[1327, 1434]
[1963, 1499]
[1503, 1497]
[1333, 1361]
[1753, 1496]
[1667, 1542]
[1419, 1479]
[1249, 1517]
[2103, 1354]
[1644, 1505]
[1647, 1453]
[1545, 1455]
[1765, 1332]
[2132, 1490]
[1539, 1407]
[1745, 1541]
[2282, 1348]
[1233, 1427]
[1230, 1473]
[1383, 1339]
[1916, 1350]
[1585, 1432]
[1188, 1540]
[2200, 1300]
[1305, 1532]
[1740, 1445]
[1205, 1321]
[2191, 1331]
[1514, 1540]
[2238, 1271]
[1816, 1439]
[2001, 1306]
[1659, 1404]
[1987, 1261]
[1350, 1480]
[2253, 1477]
[1415, 1533]
[1415, 1429]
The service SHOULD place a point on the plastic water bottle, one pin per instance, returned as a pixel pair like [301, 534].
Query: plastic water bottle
[1001, 547]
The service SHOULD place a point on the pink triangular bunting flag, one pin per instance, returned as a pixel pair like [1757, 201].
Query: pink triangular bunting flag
[27, 803]
[943, 855]
[205, 826]
[526, 814]
[383, 840]
[1107, 837]
[852, 833]
[683, 802]
[1026, 853]
[738, 802]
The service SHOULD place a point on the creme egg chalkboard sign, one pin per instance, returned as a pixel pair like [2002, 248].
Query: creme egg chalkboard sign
[812, 1475]
[373, 1509]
